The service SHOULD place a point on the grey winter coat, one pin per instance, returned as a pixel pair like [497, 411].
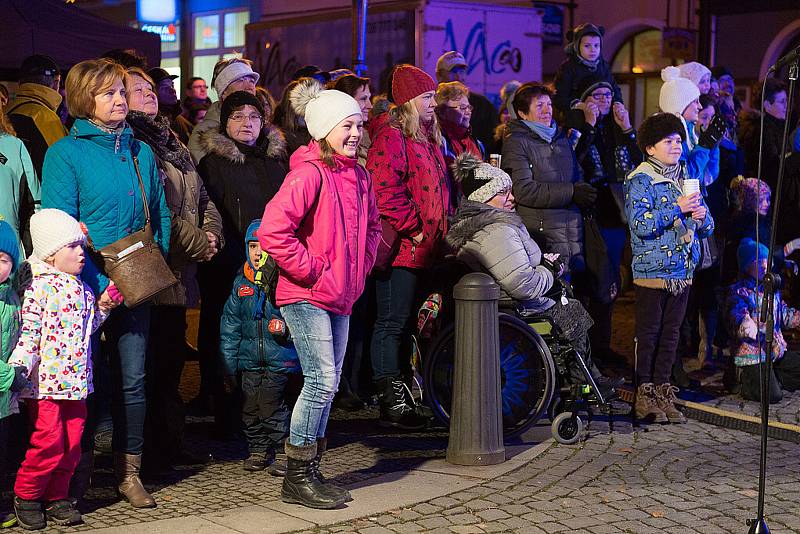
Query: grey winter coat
[543, 175]
[496, 241]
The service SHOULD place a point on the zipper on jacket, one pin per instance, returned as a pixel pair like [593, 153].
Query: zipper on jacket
[261, 358]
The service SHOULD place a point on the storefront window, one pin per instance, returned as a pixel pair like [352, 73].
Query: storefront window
[203, 66]
[641, 54]
[174, 45]
[234, 28]
[173, 66]
[206, 32]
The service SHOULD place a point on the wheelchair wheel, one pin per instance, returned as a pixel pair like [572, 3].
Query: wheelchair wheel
[567, 428]
[527, 375]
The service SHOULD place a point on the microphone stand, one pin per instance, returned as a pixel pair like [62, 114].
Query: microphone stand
[759, 524]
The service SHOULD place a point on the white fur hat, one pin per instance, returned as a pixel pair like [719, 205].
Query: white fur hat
[677, 92]
[53, 229]
[694, 71]
[322, 109]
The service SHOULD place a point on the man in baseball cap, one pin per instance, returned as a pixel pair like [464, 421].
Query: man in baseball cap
[452, 67]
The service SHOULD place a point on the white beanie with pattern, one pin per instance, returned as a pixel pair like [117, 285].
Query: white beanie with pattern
[677, 92]
[322, 109]
[52, 230]
[694, 71]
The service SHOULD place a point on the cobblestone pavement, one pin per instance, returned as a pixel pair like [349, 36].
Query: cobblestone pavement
[676, 479]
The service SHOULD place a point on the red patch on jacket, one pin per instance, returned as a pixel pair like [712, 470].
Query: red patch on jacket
[246, 291]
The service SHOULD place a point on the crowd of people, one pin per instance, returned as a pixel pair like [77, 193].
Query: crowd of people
[310, 228]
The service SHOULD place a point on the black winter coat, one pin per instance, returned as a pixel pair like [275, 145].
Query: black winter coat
[240, 181]
[543, 175]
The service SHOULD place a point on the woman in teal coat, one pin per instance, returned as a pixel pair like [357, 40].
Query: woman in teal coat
[90, 174]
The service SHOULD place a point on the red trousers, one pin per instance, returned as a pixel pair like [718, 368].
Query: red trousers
[55, 449]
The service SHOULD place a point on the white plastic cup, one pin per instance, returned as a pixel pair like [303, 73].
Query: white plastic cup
[691, 186]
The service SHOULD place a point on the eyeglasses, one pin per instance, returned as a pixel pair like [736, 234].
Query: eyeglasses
[462, 109]
[607, 95]
[241, 117]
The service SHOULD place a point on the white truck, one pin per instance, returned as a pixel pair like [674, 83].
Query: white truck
[499, 43]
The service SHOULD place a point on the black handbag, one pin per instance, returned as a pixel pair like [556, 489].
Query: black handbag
[602, 283]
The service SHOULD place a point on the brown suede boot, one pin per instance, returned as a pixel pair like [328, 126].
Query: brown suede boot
[666, 402]
[647, 406]
[126, 467]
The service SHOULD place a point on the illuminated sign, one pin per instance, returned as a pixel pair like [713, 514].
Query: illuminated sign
[165, 31]
[163, 11]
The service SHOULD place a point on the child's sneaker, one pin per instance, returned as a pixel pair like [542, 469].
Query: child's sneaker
[278, 467]
[7, 520]
[30, 515]
[63, 512]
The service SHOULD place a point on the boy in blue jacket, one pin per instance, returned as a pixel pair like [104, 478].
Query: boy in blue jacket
[255, 348]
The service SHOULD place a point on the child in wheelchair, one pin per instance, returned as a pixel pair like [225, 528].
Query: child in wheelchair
[488, 235]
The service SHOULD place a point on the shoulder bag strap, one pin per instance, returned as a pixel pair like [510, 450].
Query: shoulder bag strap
[141, 188]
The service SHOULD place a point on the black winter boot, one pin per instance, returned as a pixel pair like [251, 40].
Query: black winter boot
[330, 488]
[63, 512]
[397, 406]
[300, 485]
[30, 515]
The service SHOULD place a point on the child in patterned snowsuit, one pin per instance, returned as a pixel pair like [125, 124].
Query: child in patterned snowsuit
[59, 315]
[743, 307]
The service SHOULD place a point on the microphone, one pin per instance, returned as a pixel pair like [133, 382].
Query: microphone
[794, 55]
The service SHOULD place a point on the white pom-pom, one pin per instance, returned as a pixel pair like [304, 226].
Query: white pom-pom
[305, 91]
[670, 73]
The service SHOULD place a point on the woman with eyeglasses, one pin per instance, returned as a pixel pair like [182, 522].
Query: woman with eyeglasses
[454, 112]
[244, 167]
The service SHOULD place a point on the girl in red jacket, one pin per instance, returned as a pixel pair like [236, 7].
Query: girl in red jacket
[409, 175]
[322, 228]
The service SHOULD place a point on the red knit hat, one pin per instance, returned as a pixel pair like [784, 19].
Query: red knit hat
[409, 82]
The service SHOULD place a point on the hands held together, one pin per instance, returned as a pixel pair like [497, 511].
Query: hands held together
[692, 204]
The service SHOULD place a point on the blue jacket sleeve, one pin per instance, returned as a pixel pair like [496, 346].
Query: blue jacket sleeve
[646, 218]
[707, 227]
[230, 333]
[696, 161]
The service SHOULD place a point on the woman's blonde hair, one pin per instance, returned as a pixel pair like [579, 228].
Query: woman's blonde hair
[407, 119]
[450, 91]
[88, 79]
[5, 124]
[136, 71]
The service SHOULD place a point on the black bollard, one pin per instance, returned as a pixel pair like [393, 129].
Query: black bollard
[476, 419]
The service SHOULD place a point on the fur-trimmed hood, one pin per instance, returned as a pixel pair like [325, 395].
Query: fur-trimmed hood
[274, 144]
[474, 216]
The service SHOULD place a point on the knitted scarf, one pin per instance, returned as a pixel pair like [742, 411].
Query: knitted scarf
[591, 65]
[157, 133]
[670, 172]
[545, 132]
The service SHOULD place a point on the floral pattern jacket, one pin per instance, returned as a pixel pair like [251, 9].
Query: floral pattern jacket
[59, 316]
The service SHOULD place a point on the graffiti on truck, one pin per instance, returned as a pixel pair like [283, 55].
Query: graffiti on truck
[476, 51]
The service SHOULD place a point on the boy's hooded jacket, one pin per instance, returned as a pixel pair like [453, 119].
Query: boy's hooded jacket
[245, 341]
[665, 242]
[574, 69]
[10, 320]
[59, 316]
[322, 229]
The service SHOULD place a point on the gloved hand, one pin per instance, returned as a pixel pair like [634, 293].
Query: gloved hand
[712, 135]
[791, 246]
[584, 195]
[20, 379]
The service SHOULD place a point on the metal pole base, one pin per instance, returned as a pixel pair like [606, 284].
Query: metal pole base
[758, 526]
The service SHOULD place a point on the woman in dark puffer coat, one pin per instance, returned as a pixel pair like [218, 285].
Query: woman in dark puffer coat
[548, 182]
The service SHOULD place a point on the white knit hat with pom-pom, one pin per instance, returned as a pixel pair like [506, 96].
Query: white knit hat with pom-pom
[322, 109]
[52, 230]
[677, 92]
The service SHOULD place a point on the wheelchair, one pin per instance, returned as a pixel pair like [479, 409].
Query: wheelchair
[538, 366]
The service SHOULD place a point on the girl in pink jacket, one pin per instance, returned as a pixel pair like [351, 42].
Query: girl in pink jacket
[322, 229]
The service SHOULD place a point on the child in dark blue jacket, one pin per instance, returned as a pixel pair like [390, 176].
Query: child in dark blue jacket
[255, 349]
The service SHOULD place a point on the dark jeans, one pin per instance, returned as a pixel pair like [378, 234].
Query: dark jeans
[123, 363]
[265, 413]
[658, 320]
[359, 337]
[784, 374]
[703, 304]
[395, 294]
[216, 280]
[166, 354]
